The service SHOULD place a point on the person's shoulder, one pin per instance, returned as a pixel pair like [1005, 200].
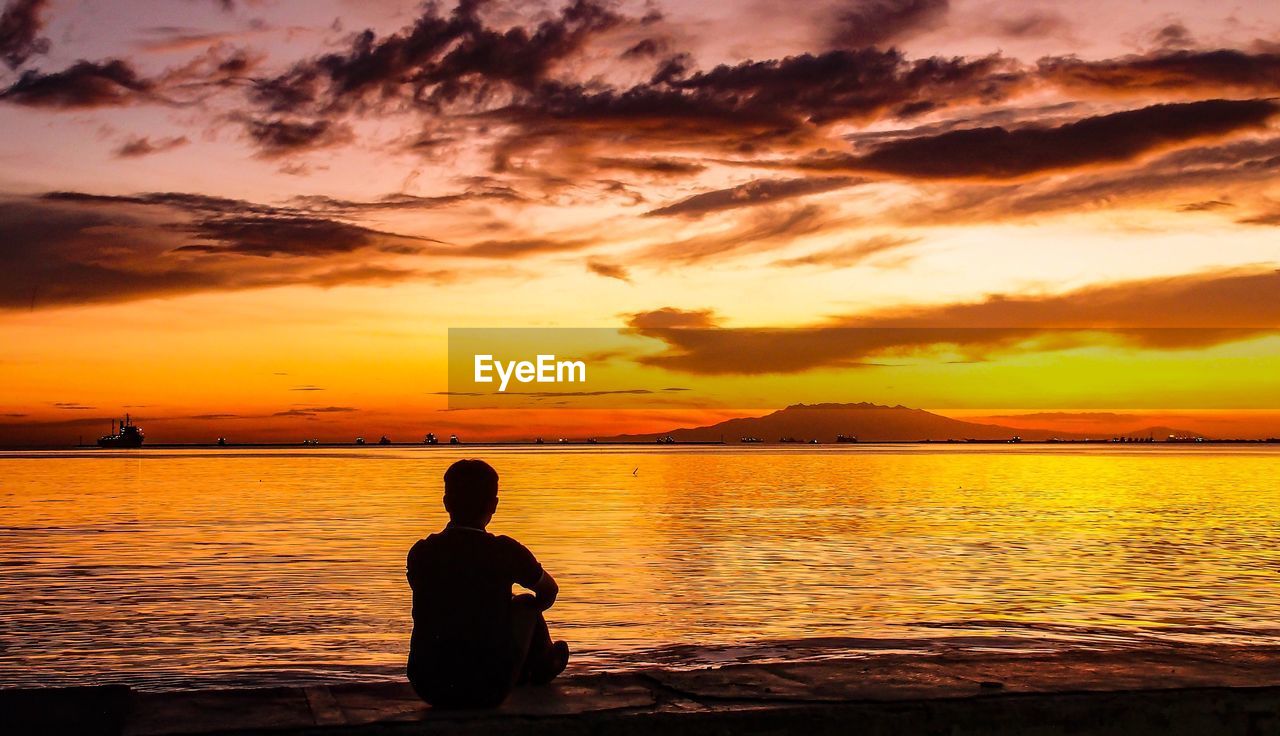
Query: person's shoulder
[510, 544]
[521, 563]
[505, 540]
[423, 546]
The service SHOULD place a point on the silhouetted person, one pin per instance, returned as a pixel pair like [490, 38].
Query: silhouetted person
[472, 639]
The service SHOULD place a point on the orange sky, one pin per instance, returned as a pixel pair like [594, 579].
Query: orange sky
[258, 219]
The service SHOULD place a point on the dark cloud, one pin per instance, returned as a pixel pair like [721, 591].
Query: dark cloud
[140, 146]
[178, 38]
[502, 249]
[1247, 299]
[1185, 312]
[1031, 24]
[309, 228]
[370, 274]
[652, 165]
[609, 270]
[1001, 153]
[859, 23]
[1237, 166]
[281, 137]
[311, 411]
[847, 84]
[85, 84]
[291, 236]
[852, 254]
[332, 205]
[20, 26]
[1264, 218]
[1181, 71]
[751, 193]
[72, 405]
[671, 317]
[755, 106]
[70, 248]
[1174, 36]
[464, 73]
[437, 61]
[197, 203]
[784, 104]
[644, 48]
[1207, 205]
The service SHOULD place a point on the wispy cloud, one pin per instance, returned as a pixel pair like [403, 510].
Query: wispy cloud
[851, 254]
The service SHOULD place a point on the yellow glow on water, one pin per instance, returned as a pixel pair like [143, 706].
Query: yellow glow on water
[167, 569]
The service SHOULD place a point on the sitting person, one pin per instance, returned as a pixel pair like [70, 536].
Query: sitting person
[473, 641]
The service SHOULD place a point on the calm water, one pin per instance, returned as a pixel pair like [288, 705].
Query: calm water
[169, 569]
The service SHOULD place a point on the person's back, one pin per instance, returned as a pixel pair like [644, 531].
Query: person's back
[472, 640]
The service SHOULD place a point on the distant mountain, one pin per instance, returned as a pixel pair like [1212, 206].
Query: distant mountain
[869, 423]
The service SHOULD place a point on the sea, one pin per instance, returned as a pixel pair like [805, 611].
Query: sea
[181, 569]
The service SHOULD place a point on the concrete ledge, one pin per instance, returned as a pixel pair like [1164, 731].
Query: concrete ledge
[1127, 692]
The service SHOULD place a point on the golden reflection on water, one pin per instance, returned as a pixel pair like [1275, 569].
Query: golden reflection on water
[198, 568]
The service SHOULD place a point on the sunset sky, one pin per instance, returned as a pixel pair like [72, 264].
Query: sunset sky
[259, 218]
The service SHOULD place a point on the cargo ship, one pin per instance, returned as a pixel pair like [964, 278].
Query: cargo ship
[129, 434]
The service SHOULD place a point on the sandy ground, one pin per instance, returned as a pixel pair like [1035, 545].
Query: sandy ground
[1167, 691]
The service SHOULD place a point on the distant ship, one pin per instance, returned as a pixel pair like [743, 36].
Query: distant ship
[129, 435]
[845, 439]
[385, 440]
[453, 440]
[430, 439]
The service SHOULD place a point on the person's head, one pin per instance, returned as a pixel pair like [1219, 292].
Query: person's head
[471, 492]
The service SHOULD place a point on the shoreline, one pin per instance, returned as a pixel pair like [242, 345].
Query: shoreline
[611, 444]
[1191, 689]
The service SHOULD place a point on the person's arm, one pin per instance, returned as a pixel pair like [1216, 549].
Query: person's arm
[545, 590]
[528, 573]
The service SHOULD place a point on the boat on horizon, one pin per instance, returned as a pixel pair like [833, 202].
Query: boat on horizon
[129, 435]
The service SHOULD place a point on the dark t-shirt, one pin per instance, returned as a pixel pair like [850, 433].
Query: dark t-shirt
[461, 579]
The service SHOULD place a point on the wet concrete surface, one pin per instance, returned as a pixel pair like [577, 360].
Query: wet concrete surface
[1127, 692]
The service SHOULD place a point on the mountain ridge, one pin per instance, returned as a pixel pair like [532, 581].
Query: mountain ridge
[871, 423]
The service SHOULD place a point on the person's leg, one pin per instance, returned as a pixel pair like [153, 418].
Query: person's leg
[538, 660]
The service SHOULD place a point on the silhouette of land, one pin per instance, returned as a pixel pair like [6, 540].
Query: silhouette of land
[823, 424]
[877, 423]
